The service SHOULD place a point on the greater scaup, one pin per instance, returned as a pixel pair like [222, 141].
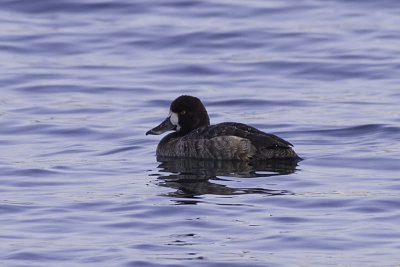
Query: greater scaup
[194, 137]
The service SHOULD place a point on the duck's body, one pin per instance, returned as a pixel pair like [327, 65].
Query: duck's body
[196, 138]
[228, 140]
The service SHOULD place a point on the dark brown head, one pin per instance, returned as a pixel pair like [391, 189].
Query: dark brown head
[186, 114]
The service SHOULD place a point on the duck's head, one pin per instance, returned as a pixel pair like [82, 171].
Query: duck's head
[186, 114]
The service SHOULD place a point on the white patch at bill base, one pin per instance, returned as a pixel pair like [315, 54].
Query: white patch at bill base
[174, 118]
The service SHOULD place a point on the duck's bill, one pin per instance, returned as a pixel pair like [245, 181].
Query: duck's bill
[166, 125]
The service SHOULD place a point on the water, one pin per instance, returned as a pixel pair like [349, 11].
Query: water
[82, 81]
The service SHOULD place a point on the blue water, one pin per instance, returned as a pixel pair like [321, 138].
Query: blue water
[82, 81]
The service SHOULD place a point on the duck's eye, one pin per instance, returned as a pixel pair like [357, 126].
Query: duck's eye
[183, 112]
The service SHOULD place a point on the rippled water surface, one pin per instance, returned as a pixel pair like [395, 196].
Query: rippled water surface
[82, 81]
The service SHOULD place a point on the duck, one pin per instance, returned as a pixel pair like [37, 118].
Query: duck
[194, 137]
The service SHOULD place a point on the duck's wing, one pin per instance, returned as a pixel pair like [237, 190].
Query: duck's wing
[258, 138]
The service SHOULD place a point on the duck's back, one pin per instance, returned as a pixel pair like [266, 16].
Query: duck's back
[228, 140]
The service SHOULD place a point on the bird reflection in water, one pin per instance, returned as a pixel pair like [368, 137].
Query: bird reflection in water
[193, 178]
